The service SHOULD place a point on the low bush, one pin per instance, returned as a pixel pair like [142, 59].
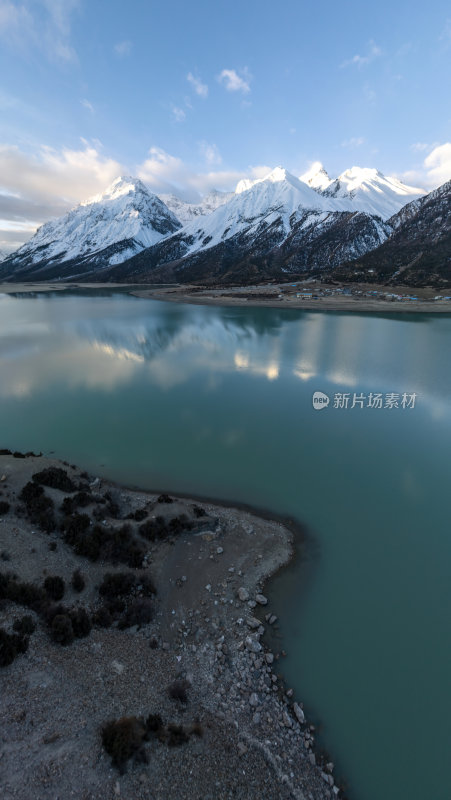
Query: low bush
[199, 511]
[116, 607]
[81, 623]
[123, 739]
[178, 691]
[79, 500]
[77, 581]
[22, 593]
[39, 507]
[112, 505]
[11, 645]
[25, 625]
[54, 587]
[154, 724]
[165, 499]
[55, 478]
[159, 528]
[197, 729]
[117, 584]
[61, 629]
[102, 618]
[180, 524]
[154, 529]
[94, 542]
[176, 735]
[139, 612]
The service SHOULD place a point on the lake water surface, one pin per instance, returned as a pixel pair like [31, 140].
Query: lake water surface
[218, 402]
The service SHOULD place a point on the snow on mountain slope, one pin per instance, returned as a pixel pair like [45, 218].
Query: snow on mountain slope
[316, 177]
[125, 211]
[418, 252]
[186, 212]
[357, 189]
[268, 201]
[3, 255]
[368, 190]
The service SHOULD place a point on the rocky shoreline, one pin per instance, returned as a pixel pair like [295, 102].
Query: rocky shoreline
[241, 732]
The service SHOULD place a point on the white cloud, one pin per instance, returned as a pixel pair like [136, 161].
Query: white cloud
[37, 186]
[39, 24]
[200, 88]
[178, 113]
[166, 173]
[86, 104]
[436, 167]
[234, 82]
[419, 147]
[123, 48]
[355, 141]
[438, 164]
[210, 153]
[373, 52]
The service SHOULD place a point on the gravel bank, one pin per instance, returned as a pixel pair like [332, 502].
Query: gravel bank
[208, 617]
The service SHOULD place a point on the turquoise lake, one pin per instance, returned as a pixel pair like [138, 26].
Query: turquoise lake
[218, 402]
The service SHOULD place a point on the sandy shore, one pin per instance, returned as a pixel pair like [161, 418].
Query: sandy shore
[259, 295]
[208, 618]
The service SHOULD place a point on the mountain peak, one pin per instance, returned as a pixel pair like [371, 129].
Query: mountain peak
[119, 222]
[277, 175]
[369, 190]
[120, 187]
[316, 176]
[361, 174]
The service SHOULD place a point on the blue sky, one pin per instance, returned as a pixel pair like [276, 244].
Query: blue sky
[196, 95]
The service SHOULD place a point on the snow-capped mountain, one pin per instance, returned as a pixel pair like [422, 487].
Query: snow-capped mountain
[418, 252]
[3, 255]
[277, 222]
[186, 212]
[267, 202]
[274, 225]
[356, 189]
[107, 229]
[316, 177]
[368, 190]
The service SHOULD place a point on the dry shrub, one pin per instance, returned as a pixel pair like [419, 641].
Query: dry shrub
[55, 478]
[176, 735]
[123, 739]
[11, 645]
[25, 625]
[178, 691]
[54, 587]
[39, 507]
[77, 581]
[139, 612]
[61, 629]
